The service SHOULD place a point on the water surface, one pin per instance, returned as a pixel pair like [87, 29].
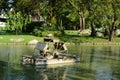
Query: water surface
[97, 63]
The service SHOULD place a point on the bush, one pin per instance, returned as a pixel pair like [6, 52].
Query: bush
[57, 33]
[33, 25]
[40, 33]
[44, 33]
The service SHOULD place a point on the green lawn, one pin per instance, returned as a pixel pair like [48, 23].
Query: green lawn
[23, 38]
[70, 36]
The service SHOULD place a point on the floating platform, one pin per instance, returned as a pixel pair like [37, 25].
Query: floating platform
[55, 61]
[39, 60]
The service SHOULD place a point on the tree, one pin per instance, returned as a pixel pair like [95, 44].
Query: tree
[16, 21]
[55, 14]
[92, 7]
[26, 6]
[60, 10]
[110, 11]
[115, 19]
[78, 11]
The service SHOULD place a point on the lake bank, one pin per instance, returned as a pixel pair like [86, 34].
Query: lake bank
[69, 43]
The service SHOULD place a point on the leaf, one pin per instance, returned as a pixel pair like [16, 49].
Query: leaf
[72, 16]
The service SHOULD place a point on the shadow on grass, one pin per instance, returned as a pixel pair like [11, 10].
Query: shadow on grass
[13, 33]
[80, 38]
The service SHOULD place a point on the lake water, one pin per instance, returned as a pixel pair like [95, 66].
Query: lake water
[97, 63]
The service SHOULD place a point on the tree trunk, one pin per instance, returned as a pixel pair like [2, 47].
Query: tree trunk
[61, 27]
[112, 32]
[38, 12]
[111, 35]
[82, 21]
[93, 30]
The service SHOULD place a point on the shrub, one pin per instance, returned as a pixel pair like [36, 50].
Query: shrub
[40, 33]
[44, 33]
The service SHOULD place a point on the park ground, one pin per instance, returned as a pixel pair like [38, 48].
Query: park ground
[69, 37]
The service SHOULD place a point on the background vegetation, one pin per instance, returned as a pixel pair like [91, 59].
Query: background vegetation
[61, 15]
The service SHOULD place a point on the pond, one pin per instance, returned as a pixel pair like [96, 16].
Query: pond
[97, 63]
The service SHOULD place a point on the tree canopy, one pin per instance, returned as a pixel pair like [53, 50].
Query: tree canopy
[72, 14]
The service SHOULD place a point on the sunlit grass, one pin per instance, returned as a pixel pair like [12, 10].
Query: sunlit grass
[26, 38]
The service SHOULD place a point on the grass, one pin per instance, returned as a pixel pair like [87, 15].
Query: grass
[26, 38]
[82, 39]
[70, 36]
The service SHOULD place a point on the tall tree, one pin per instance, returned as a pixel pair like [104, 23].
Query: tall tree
[60, 10]
[55, 14]
[78, 10]
[92, 7]
[111, 17]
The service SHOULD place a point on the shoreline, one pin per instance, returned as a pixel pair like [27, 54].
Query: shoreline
[70, 43]
[95, 44]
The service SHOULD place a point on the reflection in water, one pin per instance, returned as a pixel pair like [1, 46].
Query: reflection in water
[97, 63]
[46, 73]
[51, 73]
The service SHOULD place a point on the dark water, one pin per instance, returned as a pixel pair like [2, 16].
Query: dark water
[97, 63]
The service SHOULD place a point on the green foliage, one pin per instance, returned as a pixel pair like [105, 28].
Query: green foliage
[40, 33]
[53, 23]
[64, 14]
[25, 5]
[16, 21]
[3, 4]
[72, 16]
